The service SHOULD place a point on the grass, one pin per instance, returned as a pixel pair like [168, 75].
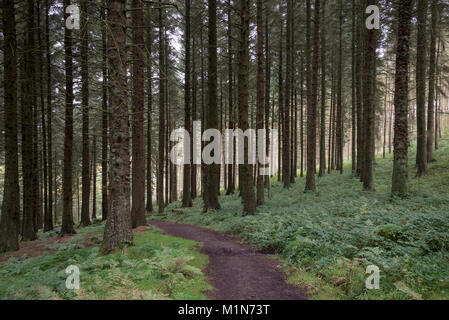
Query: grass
[157, 267]
[331, 236]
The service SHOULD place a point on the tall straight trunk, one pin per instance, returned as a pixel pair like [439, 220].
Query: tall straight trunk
[94, 177]
[368, 105]
[267, 102]
[118, 232]
[400, 164]
[359, 89]
[48, 220]
[286, 125]
[194, 168]
[432, 69]
[231, 184]
[44, 169]
[312, 87]
[10, 218]
[301, 120]
[385, 116]
[421, 48]
[137, 118]
[186, 193]
[104, 119]
[212, 173]
[245, 175]
[67, 193]
[161, 140]
[260, 95]
[280, 104]
[323, 96]
[85, 221]
[149, 169]
[340, 124]
[353, 91]
[438, 101]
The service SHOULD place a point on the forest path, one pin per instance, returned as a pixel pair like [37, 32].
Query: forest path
[236, 271]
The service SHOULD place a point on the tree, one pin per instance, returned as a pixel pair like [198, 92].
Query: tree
[10, 218]
[245, 173]
[85, 221]
[67, 193]
[421, 47]
[161, 137]
[432, 70]
[400, 164]
[149, 173]
[260, 91]
[48, 220]
[312, 97]
[231, 182]
[286, 112]
[118, 232]
[138, 148]
[368, 105]
[323, 97]
[186, 192]
[212, 173]
[104, 118]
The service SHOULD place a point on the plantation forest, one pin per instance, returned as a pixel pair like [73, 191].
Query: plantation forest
[347, 100]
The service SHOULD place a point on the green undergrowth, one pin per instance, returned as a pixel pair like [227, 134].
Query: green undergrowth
[332, 235]
[157, 267]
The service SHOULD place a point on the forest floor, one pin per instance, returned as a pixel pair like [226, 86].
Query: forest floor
[320, 242]
[330, 237]
[158, 267]
[236, 271]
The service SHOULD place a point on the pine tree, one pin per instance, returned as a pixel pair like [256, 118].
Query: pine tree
[10, 218]
[118, 232]
[400, 164]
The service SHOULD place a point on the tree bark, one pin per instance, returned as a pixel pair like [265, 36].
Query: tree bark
[260, 94]
[421, 150]
[400, 164]
[186, 192]
[246, 186]
[137, 119]
[67, 193]
[432, 69]
[118, 232]
[10, 218]
[211, 115]
[85, 221]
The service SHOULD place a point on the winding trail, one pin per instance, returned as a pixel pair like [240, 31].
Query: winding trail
[236, 271]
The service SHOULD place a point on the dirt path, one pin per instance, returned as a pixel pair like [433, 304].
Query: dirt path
[237, 271]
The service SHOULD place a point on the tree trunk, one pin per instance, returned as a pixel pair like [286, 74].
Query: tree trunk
[312, 95]
[211, 115]
[231, 184]
[48, 220]
[368, 105]
[161, 140]
[323, 96]
[186, 192]
[246, 186]
[421, 157]
[137, 119]
[400, 164]
[286, 114]
[260, 95]
[85, 221]
[10, 218]
[104, 119]
[67, 193]
[432, 69]
[118, 232]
